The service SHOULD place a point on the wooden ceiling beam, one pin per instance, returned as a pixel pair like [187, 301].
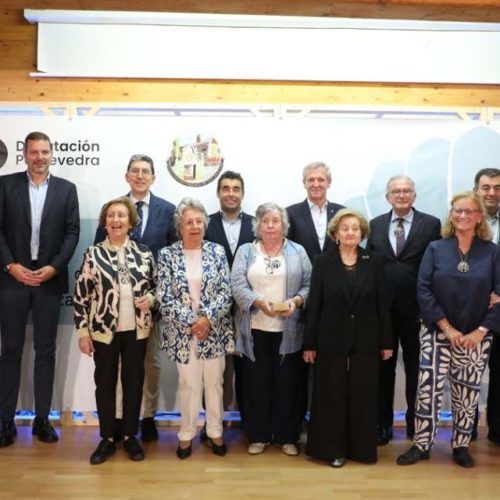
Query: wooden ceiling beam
[451, 10]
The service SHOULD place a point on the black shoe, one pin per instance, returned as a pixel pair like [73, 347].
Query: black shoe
[412, 456]
[105, 449]
[8, 432]
[149, 432]
[462, 457]
[183, 453]
[217, 449]
[338, 462]
[44, 430]
[493, 438]
[133, 449]
[203, 434]
[384, 435]
[118, 430]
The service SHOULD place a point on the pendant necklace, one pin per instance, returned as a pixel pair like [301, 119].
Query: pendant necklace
[463, 266]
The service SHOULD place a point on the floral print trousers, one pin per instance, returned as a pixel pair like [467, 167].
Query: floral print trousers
[465, 367]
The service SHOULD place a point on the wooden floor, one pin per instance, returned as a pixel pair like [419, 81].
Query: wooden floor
[30, 469]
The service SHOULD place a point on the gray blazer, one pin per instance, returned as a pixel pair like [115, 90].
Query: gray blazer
[298, 276]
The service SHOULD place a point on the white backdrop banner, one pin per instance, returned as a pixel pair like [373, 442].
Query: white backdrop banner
[441, 156]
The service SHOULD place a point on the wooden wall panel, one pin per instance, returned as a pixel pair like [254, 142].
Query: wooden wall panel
[18, 58]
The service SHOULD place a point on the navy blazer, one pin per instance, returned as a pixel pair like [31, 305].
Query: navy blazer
[302, 229]
[160, 231]
[347, 313]
[59, 231]
[402, 271]
[216, 234]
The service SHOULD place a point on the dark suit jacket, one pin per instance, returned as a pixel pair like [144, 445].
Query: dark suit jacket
[160, 230]
[347, 314]
[215, 233]
[302, 229]
[402, 271]
[59, 231]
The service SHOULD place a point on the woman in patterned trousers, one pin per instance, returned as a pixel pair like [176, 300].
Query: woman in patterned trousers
[456, 278]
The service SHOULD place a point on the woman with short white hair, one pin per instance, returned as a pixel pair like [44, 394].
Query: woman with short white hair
[195, 301]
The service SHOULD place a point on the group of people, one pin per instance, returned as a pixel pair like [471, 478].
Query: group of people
[267, 296]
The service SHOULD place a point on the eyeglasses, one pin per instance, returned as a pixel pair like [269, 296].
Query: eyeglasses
[464, 211]
[143, 171]
[272, 265]
[399, 192]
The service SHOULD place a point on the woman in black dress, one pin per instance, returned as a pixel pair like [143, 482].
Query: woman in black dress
[348, 330]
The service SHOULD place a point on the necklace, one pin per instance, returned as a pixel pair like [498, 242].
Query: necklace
[272, 262]
[463, 266]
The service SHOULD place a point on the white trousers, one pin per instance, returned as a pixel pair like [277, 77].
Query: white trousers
[195, 376]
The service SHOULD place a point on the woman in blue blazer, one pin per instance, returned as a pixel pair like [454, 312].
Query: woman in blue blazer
[195, 300]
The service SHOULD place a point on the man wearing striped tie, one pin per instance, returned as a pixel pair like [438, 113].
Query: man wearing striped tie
[156, 230]
[401, 237]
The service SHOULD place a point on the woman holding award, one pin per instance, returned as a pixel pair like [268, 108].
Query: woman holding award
[270, 284]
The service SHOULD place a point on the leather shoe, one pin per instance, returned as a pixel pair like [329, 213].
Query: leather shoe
[8, 432]
[412, 456]
[44, 430]
[384, 435]
[118, 430]
[217, 449]
[493, 439]
[183, 453]
[338, 462]
[105, 449]
[133, 449]
[149, 432]
[462, 457]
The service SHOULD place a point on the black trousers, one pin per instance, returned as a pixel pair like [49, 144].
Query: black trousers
[343, 419]
[15, 306]
[106, 357]
[272, 403]
[493, 409]
[406, 328]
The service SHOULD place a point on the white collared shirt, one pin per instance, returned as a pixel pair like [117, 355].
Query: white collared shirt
[320, 219]
[145, 209]
[232, 228]
[37, 194]
[407, 222]
[494, 223]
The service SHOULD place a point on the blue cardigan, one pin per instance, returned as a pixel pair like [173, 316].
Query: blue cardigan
[298, 276]
[462, 298]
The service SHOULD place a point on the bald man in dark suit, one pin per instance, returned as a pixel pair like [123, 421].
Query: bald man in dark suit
[401, 237]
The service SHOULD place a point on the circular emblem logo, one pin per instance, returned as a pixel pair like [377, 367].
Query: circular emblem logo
[3, 153]
[195, 160]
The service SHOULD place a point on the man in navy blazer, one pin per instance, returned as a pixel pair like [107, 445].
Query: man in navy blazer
[401, 237]
[39, 231]
[308, 223]
[309, 219]
[231, 228]
[155, 230]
